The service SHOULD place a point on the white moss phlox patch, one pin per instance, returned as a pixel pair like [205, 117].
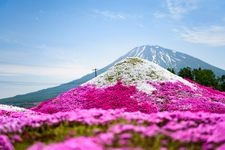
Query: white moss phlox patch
[136, 71]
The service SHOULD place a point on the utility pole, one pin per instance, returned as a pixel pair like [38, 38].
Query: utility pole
[95, 72]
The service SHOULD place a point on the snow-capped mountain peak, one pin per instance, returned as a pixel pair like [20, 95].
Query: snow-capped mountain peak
[168, 58]
[156, 54]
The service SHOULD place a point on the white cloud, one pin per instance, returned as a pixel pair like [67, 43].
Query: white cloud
[110, 14]
[69, 72]
[210, 35]
[159, 15]
[177, 8]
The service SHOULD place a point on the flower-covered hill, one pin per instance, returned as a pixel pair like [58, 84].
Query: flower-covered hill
[135, 84]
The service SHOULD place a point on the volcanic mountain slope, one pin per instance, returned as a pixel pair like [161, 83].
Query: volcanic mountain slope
[167, 58]
[135, 84]
[164, 57]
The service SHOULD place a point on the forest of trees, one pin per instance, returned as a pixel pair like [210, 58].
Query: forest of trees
[202, 76]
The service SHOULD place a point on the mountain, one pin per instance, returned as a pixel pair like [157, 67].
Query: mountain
[171, 59]
[164, 57]
[135, 84]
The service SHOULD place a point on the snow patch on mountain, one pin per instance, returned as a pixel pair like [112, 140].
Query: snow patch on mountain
[136, 71]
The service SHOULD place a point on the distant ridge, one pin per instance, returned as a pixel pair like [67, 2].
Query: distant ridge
[166, 58]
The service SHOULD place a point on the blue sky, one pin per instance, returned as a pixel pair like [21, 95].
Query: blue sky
[47, 42]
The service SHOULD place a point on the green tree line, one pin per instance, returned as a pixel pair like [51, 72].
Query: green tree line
[202, 76]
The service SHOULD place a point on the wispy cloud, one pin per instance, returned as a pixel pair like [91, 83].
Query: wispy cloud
[69, 72]
[177, 8]
[10, 40]
[211, 35]
[58, 63]
[159, 15]
[110, 14]
[28, 83]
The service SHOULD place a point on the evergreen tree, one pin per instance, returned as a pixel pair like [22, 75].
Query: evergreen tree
[221, 83]
[186, 73]
[205, 77]
[171, 70]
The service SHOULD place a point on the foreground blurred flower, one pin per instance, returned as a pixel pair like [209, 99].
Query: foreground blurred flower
[81, 143]
[5, 143]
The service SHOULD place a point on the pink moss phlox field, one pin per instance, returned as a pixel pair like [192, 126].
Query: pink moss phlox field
[81, 143]
[177, 96]
[197, 127]
[168, 96]
[5, 143]
[173, 114]
[86, 97]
